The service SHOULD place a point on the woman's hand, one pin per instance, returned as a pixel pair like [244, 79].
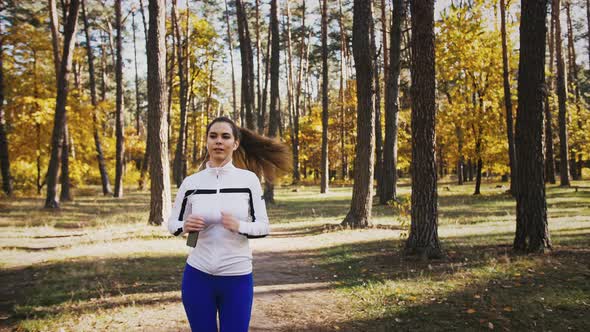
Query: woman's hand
[194, 223]
[229, 222]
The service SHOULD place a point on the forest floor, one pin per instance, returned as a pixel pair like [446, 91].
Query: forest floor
[95, 265]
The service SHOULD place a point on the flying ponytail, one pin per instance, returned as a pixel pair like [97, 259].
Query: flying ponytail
[259, 154]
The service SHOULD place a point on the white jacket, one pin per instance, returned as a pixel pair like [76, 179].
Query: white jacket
[206, 194]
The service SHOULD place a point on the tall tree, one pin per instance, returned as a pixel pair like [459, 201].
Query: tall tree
[359, 214]
[293, 112]
[146, 156]
[508, 98]
[106, 187]
[273, 121]
[549, 153]
[262, 120]
[303, 60]
[119, 112]
[4, 156]
[65, 194]
[137, 99]
[377, 103]
[247, 65]
[157, 123]
[561, 98]
[588, 34]
[532, 233]
[389, 190]
[325, 169]
[423, 238]
[258, 72]
[180, 152]
[71, 22]
[574, 86]
[343, 56]
[54, 27]
[231, 57]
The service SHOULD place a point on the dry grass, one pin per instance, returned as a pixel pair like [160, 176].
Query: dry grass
[96, 265]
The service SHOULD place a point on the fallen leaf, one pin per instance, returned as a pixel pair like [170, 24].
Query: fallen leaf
[508, 309]
[471, 311]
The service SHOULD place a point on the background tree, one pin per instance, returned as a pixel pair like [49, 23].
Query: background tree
[423, 238]
[106, 187]
[325, 169]
[359, 214]
[561, 97]
[508, 98]
[157, 124]
[119, 111]
[181, 54]
[70, 28]
[247, 66]
[550, 82]
[273, 122]
[4, 155]
[532, 233]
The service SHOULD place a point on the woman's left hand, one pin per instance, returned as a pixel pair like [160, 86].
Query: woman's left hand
[229, 222]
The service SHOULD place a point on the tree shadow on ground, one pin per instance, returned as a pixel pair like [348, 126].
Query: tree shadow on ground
[536, 292]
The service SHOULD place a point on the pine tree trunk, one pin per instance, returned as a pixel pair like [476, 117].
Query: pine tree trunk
[262, 121]
[106, 187]
[170, 70]
[119, 111]
[103, 70]
[479, 167]
[342, 92]
[549, 150]
[359, 214]
[258, 62]
[461, 162]
[65, 194]
[137, 99]
[55, 40]
[532, 233]
[508, 99]
[423, 238]
[588, 20]
[273, 121]
[389, 190]
[157, 124]
[574, 85]
[4, 156]
[290, 96]
[377, 105]
[562, 99]
[325, 168]
[179, 155]
[247, 65]
[60, 104]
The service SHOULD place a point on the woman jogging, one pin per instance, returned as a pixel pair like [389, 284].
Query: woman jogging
[221, 207]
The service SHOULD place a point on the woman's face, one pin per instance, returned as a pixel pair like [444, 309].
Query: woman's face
[221, 143]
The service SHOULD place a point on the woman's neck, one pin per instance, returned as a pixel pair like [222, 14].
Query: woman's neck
[214, 163]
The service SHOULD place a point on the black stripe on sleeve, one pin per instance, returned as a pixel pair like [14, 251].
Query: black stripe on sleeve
[190, 192]
[251, 202]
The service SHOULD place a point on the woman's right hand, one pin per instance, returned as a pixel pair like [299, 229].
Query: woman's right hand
[194, 223]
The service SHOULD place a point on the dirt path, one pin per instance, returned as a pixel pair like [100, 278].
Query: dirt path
[292, 291]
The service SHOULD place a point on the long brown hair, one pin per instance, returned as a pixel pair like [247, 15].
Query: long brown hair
[259, 154]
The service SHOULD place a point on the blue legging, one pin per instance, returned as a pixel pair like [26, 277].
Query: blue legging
[203, 295]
